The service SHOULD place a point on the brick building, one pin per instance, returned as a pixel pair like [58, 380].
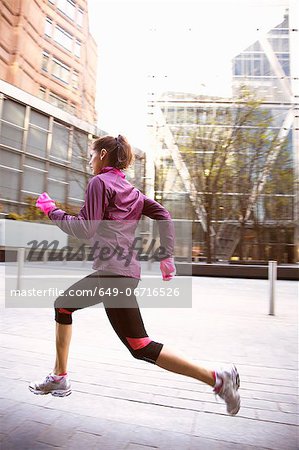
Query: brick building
[46, 50]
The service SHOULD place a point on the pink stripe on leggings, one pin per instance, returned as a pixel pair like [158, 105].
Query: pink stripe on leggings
[137, 343]
[64, 311]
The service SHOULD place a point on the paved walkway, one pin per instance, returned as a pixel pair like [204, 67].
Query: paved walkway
[121, 403]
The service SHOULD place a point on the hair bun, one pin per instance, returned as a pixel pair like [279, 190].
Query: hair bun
[120, 151]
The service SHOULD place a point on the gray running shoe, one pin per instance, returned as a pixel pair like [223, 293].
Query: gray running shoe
[60, 388]
[229, 389]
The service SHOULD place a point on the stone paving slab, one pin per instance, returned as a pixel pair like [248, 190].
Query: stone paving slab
[121, 403]
[239, 430]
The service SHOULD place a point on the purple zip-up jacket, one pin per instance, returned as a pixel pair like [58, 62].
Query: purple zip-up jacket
[109, 218]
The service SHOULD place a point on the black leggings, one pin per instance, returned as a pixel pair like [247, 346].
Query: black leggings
[120, 305]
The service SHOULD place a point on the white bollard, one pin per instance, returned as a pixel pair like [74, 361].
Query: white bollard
[21, 257]
[272, 276]
[45, 257]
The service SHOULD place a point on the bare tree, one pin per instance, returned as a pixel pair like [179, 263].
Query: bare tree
[275, 208]
[255, 144]
[227, 149]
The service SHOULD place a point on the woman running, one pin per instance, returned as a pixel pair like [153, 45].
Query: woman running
[109, 217]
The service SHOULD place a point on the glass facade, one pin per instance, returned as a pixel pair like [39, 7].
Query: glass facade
[68, 7]
[40, 152]
[58, 101]
[227, 164]
[60, 71]
[62, 37]
[70, 10]
[265, 63]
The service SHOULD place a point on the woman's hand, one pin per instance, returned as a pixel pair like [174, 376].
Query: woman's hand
[167, 268]
[45, 203]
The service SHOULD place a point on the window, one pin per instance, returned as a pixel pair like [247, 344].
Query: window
[57, 190]
[279, 44]
[13, 112]
[238, 66]
[60, 142]
[10, 159]
[77, 186]
[80, 151]
[68, 7]
[266, 69]
[11, 136]
[170, 115]
[38, 119]
[42, 93]
[256, 64]
[33, 181]
[60, 70]
[75, 80]
[284, 60]
[38, 133]
[57, 173]
[190, 113]
[80, 17]
[12, 132]
[48, 27]
[77, 50]
[247, 58]
[45, 61]
[56, 181]
[10, 184]
[35, 163]
[63, 38]
[58, 101]
[72, 109]
[37, 141]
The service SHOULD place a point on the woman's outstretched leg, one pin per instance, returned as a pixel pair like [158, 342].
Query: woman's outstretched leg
[176, 363]
[128, 324]
[225, 382]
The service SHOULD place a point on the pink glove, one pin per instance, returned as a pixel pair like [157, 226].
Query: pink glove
[45, 203]
[167, 268]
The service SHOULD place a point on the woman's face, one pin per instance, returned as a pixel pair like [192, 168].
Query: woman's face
[98, 160]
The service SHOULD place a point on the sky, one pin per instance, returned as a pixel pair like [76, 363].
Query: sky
[155, 46]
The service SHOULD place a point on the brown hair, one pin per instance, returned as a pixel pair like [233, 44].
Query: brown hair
[119, 150]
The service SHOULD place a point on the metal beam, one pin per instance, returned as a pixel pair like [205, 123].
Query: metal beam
[282, 78]
[259, 185]
[166, 134]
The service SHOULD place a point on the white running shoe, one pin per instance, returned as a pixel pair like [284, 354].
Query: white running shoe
[60, 388]
[228, 391]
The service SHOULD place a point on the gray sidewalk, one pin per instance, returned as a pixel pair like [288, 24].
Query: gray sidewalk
[121, 403]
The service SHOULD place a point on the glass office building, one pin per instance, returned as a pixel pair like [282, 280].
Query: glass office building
[265, 65]
[47, 103]
[265, 68]
[43, 148]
